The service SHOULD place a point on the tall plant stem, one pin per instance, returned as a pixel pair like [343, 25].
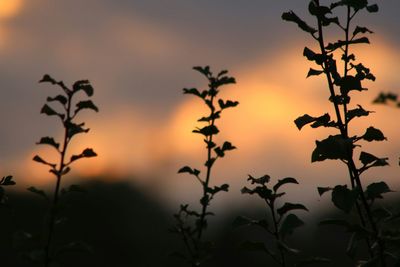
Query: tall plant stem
[354, 174]
[208, 176]
[53, 208]
[276, 232]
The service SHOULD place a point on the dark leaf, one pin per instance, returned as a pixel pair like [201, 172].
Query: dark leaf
[375, 190]
[48, 141]
[60, 98]
[334, 147]
[287, 180]
[74, 129]
[291, 16]
[38, 192]
[88, 104]
[189, 170]
[7, 180]
[322, 190]
[83, 85]
[373, 134]
[207, 130]
[358, 112]
[289, 207]
[203, 70]
[359, 29]
[192, 91]
[350, 83]
[344, 198]
[313, 72]
[87, 153]
[262, 180]
[303, 120]
[373, 8]
[40, 160]
[47, 78]
[290, 223]
[46, 109]
[227, 104]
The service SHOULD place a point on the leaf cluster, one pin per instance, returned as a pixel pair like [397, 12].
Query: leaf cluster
[281, 221]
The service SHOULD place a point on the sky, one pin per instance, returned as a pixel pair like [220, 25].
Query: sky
[139, 55]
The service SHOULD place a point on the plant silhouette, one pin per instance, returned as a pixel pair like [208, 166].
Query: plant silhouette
[342, 146]
[5, 181]
[280, 224]
[67, 116]
[192, 235]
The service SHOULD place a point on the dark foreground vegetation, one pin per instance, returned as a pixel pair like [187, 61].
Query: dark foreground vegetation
[124, 227]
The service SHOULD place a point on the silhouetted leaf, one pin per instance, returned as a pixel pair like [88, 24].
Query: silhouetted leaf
[189, 170]
[375, 190]
[373, 8]
[227, 104]
[216, 189]
[382, 98]
[290, 206]
[49, 141]
[359, 29]
[60, 98]
[303, 120]
[74, 129]
[88, 104]
[87, 153]
[38, 192]
[290, 223]
[40, 160]
[291, 16]
[344, 198]
[47, 78]
[373, 134]
[333, 46]
[313, 72]
[334, 147]
[7, 180]
[203, 70]
[261, 180]
[83, 85]
[46, 109]
[367, 158]
[322, 190]
[349, 83]
[287, 180]
[358, 112]
[193, 91]
[207, 130]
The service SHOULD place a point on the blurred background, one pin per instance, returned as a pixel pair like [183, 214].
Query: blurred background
[139, 55]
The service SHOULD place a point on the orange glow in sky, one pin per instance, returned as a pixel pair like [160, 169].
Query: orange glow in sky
[9, 8]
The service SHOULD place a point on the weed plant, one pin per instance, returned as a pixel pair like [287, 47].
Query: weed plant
[70, 108]
[343, 145]
[5, 181]
[280, 223]
[191, 224]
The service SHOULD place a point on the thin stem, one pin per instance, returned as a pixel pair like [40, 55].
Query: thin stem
[59, 174]
[276, 232]
[208, 175]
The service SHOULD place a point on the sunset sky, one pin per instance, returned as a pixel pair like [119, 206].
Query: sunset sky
[138, 56]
